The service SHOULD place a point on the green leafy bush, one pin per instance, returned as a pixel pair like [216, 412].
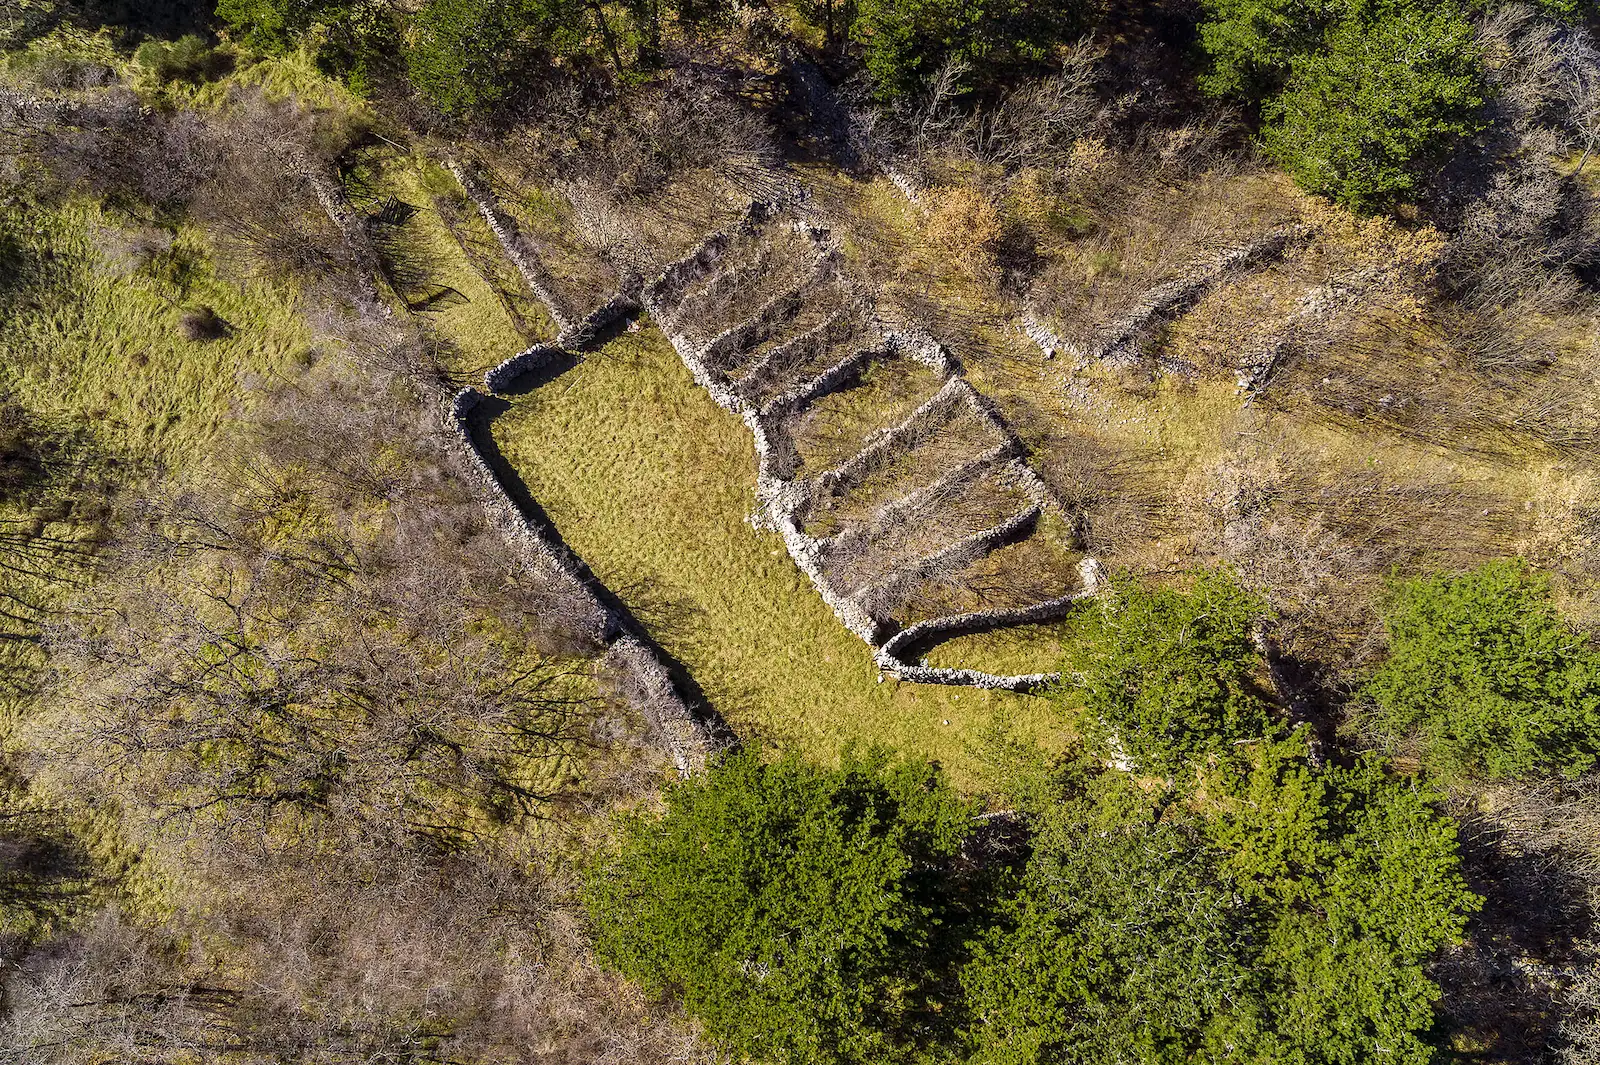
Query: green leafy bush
[1569, 9]
[1357, 99]
[460, 54]
[356, 40]
[905, 41]
[1251, 43]
[1119, 947]
[187, 59]
[1484, 678]
[1289, 916]
[277, 23]
[794, 909]
[1166, 675]
[1364, 113]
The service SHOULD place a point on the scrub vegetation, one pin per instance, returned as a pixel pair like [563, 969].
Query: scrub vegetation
[1109, 492]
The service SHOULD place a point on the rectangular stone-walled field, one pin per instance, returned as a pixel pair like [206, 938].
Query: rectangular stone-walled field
[651, 483]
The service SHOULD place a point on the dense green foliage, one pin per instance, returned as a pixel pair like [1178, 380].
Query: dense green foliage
[1288, 917]
[905, 41]
[1118, 946]
[354, 39]
[1251, 43]
[1362, 114]
[464, 55]
[1165, 675]
[187, 59]
[793, 908]
[1485, 678]
[1270, 909]
[1569, 9]
[1357, 99]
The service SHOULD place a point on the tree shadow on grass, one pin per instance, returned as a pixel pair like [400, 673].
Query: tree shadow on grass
[46, 877]
[1504, 988]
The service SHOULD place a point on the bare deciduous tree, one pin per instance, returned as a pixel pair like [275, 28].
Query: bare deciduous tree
[335, 633]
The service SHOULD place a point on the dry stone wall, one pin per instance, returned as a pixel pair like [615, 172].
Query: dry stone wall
[1048, 341]
[851, 131]
[515, 244]
[1121, 342]
[501, 378]
[583, 333]
[884, 594]
[689, 735]
[1315, 310]
[692, 734]
[785, 500]
[797, 352]
[907, 507]
[352, 226]
[918, 425]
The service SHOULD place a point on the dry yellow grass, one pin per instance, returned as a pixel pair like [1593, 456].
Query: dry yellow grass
[99, 344]
[1397, 450]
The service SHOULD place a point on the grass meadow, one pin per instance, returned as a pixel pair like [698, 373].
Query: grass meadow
[91, 351]
[653, 485]
[95, 343]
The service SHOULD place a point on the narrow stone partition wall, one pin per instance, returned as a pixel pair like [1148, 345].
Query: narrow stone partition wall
[1048, 341]
[581, 334]
[891, 657]
[515, 245]
[1119, 342]
[690, 738]
[785, 501]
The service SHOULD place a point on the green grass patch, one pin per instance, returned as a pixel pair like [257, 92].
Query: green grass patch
[1023, 649]
[441, 285]
[94, 338]
[652, 484]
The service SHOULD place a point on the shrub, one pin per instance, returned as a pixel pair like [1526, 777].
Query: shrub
[905, 41]
[965, 226]
[203, 323]
[1290, 917]
[1119, 947]
[358, 41]
[187, 59]
[1356, 99]
[1378, 101]
[1165, 675]
[794, 909]
[1484, 678]
[277, 23]
[465, 55]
